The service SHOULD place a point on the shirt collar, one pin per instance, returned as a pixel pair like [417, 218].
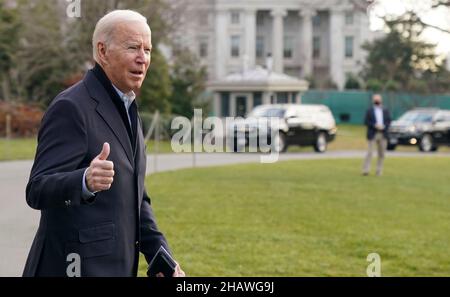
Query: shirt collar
[127, 98]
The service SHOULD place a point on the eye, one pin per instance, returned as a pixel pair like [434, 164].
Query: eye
[132, 47]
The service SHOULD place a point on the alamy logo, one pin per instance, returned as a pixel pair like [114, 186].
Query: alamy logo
[73, 9]
[74, 267]
[208, 135]
[374, 268]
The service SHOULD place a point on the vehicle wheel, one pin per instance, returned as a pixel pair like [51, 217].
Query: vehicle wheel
[320, 146]
[426, 143]
[391, 147]
[279, 144]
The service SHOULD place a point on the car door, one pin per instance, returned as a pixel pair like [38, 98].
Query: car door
[293, 122]
[303, 133]
[440, 129]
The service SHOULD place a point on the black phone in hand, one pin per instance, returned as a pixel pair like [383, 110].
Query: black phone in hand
[162, 262]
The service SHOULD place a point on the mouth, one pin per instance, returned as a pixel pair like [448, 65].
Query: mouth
[137, 73]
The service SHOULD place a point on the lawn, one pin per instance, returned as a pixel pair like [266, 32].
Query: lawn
[307, 218]
[25, 148]
[17, 149]
[349, 137]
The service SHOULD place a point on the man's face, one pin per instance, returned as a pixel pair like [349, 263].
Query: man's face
[127, 57]
[377, 100]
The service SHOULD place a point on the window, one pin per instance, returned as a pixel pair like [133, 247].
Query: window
[282, 98]
[349, 46]
[288, 47]
[257, 98]
[316, 20]
[241, 106]
[203, 47]
[235, 17]
[260, 20]
[259, 46]
[225, 104]
[235, 45]
[316, 47]
[349, 18]
[293, 98]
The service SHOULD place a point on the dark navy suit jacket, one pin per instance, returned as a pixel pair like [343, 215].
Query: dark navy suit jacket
[370, 121]
[109, 230]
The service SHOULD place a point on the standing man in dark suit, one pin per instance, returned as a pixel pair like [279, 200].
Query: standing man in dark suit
[88, 175]
[377, 121]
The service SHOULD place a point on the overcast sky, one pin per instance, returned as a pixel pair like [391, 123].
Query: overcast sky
[440, 17]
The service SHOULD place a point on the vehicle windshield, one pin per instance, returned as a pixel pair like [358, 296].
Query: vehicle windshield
[267, 112]
[416, 117]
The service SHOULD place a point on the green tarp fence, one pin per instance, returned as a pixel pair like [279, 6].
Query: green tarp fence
[350, 106]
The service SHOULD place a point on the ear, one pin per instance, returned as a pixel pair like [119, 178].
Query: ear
[102, 52]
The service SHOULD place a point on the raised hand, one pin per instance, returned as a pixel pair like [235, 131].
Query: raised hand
[99, 175]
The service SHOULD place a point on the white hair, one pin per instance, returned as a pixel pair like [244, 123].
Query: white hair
[105, 27]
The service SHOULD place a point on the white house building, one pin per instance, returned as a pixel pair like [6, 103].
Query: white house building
[238, 93]
[305, 38]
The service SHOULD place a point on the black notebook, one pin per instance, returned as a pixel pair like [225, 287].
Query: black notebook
[162, 262]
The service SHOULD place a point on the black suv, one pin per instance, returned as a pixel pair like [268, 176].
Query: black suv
[298, 124]
[428, 128]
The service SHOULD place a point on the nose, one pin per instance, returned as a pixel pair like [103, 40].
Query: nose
[141, 57]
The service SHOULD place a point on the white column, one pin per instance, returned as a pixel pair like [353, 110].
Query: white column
[217, 106]
[266, 97]
[336, 49]
[307, 41]
[221, 43]
[250, 102]
[250, 36]
[278, 39]
[232, 105]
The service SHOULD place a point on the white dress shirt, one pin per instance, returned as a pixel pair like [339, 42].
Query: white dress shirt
[379, 115]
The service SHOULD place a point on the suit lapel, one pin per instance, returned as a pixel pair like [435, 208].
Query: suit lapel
[139, 138]
[109, 113]
[111, 116]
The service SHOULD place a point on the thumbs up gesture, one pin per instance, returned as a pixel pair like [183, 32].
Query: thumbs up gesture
[99, 175]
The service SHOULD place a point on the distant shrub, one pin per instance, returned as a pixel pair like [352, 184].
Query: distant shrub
[352, 83]
[25, 119]
[374, 85]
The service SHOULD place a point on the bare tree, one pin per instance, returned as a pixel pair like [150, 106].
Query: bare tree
[434, 6]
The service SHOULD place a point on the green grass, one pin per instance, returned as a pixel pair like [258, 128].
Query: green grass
[164, 147]
[349, 137]
[25, 148]
[17, 149]
[307, 218]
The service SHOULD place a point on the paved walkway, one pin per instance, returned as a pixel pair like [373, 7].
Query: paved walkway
[18, 222]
